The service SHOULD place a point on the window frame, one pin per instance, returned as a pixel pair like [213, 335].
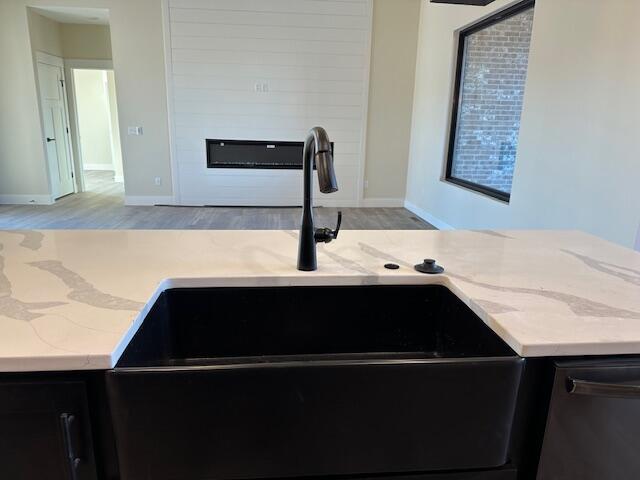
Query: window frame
[457, 96]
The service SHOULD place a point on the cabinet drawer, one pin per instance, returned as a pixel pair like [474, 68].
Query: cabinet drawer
[593, 428]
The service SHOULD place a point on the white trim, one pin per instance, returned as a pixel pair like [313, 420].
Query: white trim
[382, 202]
[118, 178]
[427, 217]
[71, 64]
[26, 200]
[48, 59]
[45, 153]
[73, 126]
[296, 202]
[148, 200]
[107, 101]
[327, 201]
[168, 66]
[365, 109]
[103, 167]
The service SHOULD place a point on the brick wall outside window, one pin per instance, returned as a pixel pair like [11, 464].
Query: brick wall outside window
[492, 91]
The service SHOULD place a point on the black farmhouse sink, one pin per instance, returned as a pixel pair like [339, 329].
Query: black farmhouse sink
[242, 383]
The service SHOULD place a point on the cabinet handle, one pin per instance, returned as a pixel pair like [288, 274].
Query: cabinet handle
[68, 424]
[598, 389]
[49, 139]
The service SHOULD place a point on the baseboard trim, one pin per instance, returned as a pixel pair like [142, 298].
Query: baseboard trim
[427, 217]
[118, 178]
[328, 202]
[147, 200]
[319, 201]
[97, 167]
[382, 202]
[26, 200]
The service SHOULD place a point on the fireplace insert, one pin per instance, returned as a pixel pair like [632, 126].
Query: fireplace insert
[255, 154]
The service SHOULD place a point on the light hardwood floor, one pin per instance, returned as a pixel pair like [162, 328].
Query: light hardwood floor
[102, 207]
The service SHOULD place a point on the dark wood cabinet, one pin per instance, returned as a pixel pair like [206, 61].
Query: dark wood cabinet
[593, 427]
[45, 431]
[58, 425]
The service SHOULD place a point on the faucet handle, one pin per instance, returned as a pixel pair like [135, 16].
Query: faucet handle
[326, 235]
[337, 230]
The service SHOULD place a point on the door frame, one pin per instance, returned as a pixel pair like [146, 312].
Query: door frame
[48, 59]
[70, 65]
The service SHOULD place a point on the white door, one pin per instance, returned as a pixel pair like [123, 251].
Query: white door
[56, 128]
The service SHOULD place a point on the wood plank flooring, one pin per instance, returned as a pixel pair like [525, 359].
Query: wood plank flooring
[102, 207]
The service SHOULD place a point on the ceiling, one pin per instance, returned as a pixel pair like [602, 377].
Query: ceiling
[89, 16]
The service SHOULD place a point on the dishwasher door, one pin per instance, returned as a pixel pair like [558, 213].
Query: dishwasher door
[593, 428]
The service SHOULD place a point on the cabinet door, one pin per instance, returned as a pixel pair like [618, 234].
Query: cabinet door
[593, 429]
[45, 431]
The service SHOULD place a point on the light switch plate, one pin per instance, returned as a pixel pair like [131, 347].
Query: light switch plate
[261, 87]
[135, 131]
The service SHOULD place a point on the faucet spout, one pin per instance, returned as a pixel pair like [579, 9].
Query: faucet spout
[317, 147]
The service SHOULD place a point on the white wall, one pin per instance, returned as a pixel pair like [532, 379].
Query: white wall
[313, 55]
[93, 119]
[578, 160]
[45, 34]
[393, 67]
[86, 42]
[138, 59]
[139, 63]
[23, 171]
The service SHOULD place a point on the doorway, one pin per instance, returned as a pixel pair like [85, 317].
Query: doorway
[55, 120]
[72, 52]
[98, 132]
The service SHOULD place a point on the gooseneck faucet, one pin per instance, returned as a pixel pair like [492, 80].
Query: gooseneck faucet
[317, 146]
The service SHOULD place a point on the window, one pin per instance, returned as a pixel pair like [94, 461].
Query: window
[493, 56]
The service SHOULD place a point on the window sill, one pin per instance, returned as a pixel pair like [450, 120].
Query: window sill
[491, 193]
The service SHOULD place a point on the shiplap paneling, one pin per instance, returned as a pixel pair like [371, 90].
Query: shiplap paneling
[314, 56]
[320, 7]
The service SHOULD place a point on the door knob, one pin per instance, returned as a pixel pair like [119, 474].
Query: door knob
[50, 139]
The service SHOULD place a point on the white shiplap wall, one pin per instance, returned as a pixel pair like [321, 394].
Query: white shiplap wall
[313, 54]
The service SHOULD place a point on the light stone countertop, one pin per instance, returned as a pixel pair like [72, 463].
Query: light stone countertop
[73, 299]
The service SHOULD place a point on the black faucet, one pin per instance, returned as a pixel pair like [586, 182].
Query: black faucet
[317, 146]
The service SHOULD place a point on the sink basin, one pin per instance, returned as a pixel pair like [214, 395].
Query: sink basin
[286, 382]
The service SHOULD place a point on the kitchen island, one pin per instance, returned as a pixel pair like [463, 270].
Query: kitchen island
[72, 301]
